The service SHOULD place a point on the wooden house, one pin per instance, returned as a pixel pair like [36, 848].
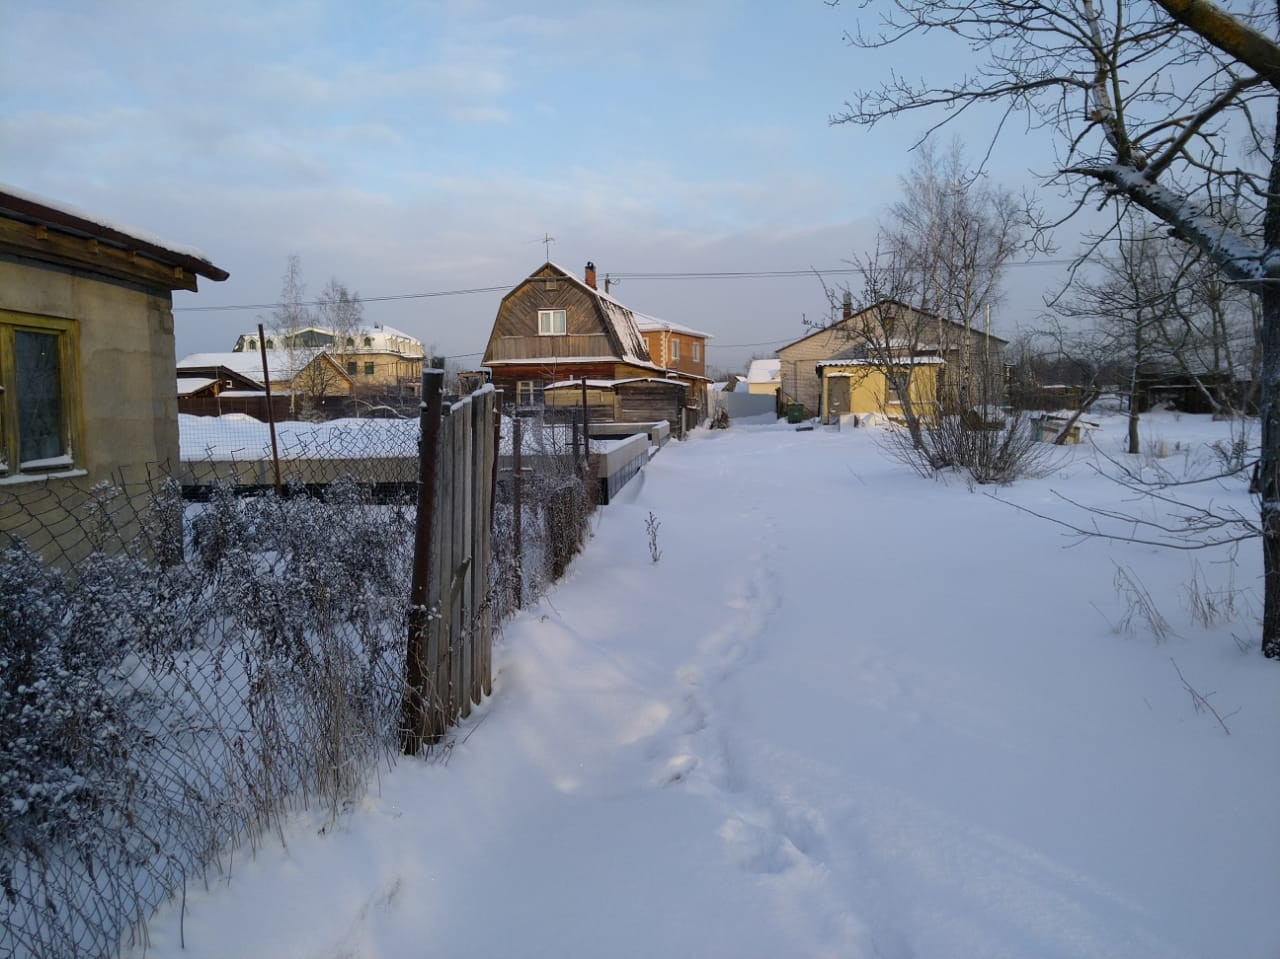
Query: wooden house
[642, 399]
[303, 383]
[86, 361]
[554, 327]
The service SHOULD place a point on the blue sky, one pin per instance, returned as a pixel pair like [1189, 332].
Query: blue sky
[425, 147]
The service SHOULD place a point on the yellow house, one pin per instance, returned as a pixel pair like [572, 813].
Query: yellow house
[86, 364]
[862, 385]
[764, 377]
[973, 360]
[378, 359]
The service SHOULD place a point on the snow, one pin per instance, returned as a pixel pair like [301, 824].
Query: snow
[137, 234]
[764, 371]
[240, 436]
[850, 712]
[650, 324]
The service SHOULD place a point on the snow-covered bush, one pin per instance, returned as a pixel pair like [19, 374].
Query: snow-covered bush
[156, 708]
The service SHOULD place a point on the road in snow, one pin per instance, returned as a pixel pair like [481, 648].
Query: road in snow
[850, 712]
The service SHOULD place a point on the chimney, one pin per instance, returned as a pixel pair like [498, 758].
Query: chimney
[589, 274]
[848, 305]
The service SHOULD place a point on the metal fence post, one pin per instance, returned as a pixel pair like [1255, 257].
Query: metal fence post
[413, 721]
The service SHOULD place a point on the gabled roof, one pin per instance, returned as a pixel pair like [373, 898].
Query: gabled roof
[281, 364]
[764, 371]
[881, 303]
[613, 384]
[616, 320]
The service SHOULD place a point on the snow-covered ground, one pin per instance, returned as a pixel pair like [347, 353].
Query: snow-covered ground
[849, 712]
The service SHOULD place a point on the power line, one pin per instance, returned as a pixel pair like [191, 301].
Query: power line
[704, 275]
[776, 274]
[362, 299]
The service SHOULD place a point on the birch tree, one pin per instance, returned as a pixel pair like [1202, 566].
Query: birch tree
[1161, 104]
[288, 319]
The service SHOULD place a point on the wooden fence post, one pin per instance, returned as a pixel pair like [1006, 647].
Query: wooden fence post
[271, 413]
[517, 490]
[414, 728]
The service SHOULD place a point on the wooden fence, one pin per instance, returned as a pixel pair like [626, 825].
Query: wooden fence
[450, 641]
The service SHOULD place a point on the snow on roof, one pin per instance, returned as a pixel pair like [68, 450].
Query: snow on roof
[193, 384]
[649, 324]
[280, 363]
[568, 361]
[25, 203]
[874, 361]
[764, 371]
[382, 339]
[619, 320]
[610, 384]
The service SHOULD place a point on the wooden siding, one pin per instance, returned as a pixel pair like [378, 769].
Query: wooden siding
[646, 402]
[505, 348]
[517, 321]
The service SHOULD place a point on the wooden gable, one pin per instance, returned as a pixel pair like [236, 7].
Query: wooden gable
[596, 327]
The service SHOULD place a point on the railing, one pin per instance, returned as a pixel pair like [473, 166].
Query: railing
[507, 348]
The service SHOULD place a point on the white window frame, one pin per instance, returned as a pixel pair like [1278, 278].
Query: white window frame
[675, 349]
[549, 320]
[529, 394]
[697, 352]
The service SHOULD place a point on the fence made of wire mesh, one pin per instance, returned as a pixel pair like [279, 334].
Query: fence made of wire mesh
[188, 653]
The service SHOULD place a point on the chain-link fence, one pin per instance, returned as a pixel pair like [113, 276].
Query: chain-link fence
[187, 653]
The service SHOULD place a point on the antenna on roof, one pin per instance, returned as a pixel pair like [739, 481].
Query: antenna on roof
[546, 240]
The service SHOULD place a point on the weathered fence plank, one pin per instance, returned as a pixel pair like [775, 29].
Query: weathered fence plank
[455, 621]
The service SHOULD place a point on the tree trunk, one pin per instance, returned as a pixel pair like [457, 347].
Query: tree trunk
[1269, 413]
[1134, 400]
[1268, 465]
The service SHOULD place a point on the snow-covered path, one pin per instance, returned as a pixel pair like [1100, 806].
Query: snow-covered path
[849, 712]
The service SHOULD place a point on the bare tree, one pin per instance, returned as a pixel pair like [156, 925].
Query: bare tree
[1123, 308]
[340, 312]
[1143, 99]
[958, 232]
[888, 339]
[1210, 332]
[290, 317]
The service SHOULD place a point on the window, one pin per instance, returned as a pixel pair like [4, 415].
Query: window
[675, 349]
[351, 367]
[368, 369]
[697, 351]
[351, 344]
[551, 322]
[368, 341]
[38, 394]
[529, 393]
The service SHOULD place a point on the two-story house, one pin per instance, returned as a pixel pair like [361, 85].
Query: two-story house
[554, 328]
